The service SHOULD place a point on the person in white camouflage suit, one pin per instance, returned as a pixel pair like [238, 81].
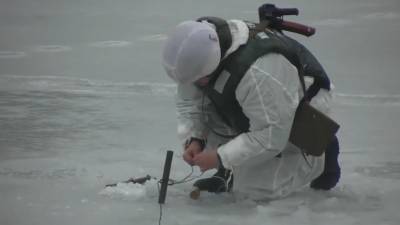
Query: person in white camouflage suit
[253, 146]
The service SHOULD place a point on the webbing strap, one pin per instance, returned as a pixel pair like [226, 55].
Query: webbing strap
[223, 32]
[263, 26]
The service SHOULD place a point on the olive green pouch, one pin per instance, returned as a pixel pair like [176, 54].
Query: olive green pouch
[312, 130]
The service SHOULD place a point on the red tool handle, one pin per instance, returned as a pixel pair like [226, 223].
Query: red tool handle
[297, 28]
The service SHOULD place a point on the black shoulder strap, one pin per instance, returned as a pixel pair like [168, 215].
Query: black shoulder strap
[309, 65]
[223, 32]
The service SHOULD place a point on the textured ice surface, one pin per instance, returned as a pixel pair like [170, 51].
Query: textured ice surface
[84, 102]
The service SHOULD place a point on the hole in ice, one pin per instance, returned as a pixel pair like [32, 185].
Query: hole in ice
[382, 16]
[332, 22]
[154, 37]
[11, 54]
[52, 48]
[106, 44]
[386, 170]
[130, 191]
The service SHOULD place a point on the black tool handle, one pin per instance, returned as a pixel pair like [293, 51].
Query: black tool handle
[270, 11]
[165, 177]
[286, 12]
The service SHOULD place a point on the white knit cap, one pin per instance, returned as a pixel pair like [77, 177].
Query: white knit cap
[192, 51]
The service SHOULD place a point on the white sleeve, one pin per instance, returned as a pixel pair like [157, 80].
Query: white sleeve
[189, 103]
[268, 95]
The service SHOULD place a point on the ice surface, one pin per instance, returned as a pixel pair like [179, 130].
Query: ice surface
[52, 48]
[106, 44]
[84, 102]
[11, 54]
[133, 191]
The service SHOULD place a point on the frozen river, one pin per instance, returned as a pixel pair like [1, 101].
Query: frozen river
[84, 102]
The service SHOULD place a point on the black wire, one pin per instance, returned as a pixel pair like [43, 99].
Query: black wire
[172, 182]
[160, 216]
[186, 179]
[159, 220]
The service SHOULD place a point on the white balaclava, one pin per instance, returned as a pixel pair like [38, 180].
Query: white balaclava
[191, 51]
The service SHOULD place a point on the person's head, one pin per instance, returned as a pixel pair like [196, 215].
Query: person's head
[191, 52]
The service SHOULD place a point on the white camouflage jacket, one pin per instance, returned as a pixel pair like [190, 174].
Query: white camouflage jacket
[268, 94]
